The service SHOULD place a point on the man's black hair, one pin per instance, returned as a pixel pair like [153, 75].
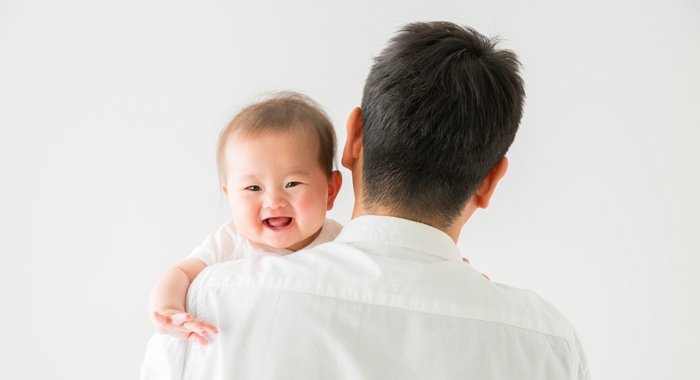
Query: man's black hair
[441, 106]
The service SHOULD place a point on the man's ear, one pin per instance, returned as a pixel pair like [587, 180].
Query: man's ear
[353, 143]
[485, 191]
[334, 185]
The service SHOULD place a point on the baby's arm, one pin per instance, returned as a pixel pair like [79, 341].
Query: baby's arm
[166, 305]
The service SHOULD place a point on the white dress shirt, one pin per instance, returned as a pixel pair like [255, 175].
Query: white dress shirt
[388, 299]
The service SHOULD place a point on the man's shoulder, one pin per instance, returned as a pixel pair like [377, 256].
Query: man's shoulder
[443, 296]
[528, 310]
[341, 270]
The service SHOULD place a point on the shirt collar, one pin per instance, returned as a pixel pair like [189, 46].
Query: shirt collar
[389, 230]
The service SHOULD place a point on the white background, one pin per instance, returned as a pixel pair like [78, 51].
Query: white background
[109, 115]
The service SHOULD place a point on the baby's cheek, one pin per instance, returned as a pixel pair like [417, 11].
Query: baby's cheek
[244, 213]
[314, 206]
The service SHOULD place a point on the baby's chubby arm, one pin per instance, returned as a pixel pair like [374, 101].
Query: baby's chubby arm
[166, 305]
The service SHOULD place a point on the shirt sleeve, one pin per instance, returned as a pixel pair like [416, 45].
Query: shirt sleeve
[329, 231]
[333, 228]
[219, 247]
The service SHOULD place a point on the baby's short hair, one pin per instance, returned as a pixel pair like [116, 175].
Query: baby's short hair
[282, 112]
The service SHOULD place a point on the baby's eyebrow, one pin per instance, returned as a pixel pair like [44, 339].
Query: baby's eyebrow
[253, 177]
[248, 177]
[298, 172]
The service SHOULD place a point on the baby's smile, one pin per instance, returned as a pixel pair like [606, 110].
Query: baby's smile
[278, 223]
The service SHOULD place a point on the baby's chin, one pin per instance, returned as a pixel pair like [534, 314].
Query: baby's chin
[289, 244]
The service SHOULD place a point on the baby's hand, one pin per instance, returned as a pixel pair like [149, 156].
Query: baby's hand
[181, 325]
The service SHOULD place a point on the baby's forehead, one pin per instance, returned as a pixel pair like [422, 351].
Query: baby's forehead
[307, 137]
[308, 142]
[316, 137]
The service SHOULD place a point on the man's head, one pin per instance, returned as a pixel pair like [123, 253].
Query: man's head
[440, 108]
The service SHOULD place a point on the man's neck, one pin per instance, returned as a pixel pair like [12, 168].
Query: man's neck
[453, 230]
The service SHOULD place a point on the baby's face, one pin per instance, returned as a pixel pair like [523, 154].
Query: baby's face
[277, 190]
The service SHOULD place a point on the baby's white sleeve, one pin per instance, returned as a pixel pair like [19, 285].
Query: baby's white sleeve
[219, 246]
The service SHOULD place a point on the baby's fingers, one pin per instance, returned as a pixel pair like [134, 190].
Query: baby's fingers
[208, 326]
[197, 327]
[180, 318]
[193, 337]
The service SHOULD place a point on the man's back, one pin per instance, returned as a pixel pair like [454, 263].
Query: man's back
[388, 299]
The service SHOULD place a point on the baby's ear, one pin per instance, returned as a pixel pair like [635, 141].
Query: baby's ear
[334, 184]
[224, 189]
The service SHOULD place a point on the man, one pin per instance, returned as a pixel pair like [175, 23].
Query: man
[391, 298]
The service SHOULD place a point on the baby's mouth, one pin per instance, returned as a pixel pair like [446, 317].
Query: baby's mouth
[277, 223]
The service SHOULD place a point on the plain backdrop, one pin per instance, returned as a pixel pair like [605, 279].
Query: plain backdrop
[110, 111]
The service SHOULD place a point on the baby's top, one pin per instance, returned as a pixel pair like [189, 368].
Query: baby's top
[227, 244]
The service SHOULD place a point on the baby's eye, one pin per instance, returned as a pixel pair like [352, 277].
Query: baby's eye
[293, 184]
[254, 188]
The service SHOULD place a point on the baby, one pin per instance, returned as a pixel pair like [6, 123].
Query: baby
[275, 162]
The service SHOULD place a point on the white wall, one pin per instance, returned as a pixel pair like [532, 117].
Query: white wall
[109, 115]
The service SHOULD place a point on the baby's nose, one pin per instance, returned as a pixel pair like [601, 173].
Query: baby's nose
[275, 199]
